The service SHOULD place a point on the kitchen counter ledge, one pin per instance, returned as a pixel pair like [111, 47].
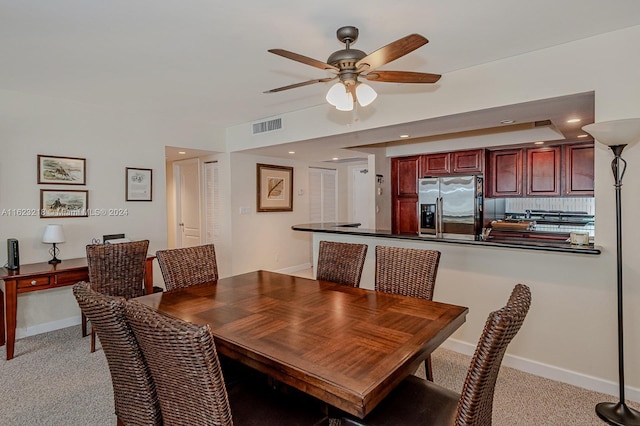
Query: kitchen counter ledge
[520, 243]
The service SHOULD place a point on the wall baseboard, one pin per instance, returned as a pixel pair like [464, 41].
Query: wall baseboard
[296, 268]
[47, 326]
[551, 372]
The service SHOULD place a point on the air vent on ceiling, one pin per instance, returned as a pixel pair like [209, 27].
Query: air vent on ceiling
[267, 126]
[542, 123]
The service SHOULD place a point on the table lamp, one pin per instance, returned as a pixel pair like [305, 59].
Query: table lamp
[53, 234]
[617, 135]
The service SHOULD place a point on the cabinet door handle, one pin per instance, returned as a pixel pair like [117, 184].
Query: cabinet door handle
[34, 282]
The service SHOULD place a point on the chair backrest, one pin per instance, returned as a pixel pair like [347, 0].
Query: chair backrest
[406, 271]
[183, 267]
[134, 391]
[341, 263]
[476, 402]
[185, 367]
[118, 269]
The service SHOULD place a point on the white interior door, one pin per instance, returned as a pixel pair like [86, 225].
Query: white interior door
[360, 196]
[188, 211]
[323, 196]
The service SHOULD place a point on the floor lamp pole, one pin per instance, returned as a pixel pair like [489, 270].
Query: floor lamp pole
[619, 413]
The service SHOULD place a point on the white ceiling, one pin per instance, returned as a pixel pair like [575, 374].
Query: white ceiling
[207, 60]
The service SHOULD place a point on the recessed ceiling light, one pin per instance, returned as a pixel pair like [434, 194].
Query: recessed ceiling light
[292, 152]
[335, 158]
[182, 152]
[404, 136]
[539, 143]
[574, 120]
[583, 135]
[507, 121]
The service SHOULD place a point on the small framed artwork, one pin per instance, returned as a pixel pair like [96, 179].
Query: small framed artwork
[275, 188]
[139, 183]
[61, 170]
[64, 203]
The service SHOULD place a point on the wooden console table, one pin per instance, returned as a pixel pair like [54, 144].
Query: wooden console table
[44, 276]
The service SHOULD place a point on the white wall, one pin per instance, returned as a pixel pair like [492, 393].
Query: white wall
[109, 141]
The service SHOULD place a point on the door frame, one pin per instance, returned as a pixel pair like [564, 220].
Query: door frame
[176, 184]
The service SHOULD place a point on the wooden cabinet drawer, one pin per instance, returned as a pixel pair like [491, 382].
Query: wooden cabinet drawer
[71, 277]
[33, 282]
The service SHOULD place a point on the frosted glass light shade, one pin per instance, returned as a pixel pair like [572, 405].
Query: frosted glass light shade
[365, 94]
[339, 97]
[53, 234]
[616, 132]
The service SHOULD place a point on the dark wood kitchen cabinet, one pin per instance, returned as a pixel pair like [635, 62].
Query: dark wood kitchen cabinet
[579, 169]
[404, 194]
[505, 173]
[471, 161]
[435, 164]
[444, 163]
[543, 171]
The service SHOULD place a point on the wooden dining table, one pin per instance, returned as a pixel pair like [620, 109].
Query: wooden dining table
[348, 347]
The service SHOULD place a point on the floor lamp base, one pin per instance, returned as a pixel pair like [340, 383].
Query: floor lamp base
[617, 413]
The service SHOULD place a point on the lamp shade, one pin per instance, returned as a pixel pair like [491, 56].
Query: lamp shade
[53, 234]
[339, 97]
[616, 132]
[365, 94]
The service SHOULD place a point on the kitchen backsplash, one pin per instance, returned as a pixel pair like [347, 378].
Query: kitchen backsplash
[574, 204]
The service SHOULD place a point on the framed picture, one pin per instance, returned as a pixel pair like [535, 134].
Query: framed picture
[275, 188]
[61, 170]
[138, 184]
[64, 203]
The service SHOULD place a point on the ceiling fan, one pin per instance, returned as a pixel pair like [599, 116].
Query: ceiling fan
[348, 64]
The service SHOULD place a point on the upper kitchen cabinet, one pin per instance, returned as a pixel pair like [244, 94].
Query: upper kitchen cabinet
[543, 171]
[404, 194]
[505, 173]
[435, 164]
[578, 169]
[467, 161]
[459, 162]
[560, 170]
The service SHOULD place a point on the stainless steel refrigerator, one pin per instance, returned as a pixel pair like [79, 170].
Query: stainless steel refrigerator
[450, 205]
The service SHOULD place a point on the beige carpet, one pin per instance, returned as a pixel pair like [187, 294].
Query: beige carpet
[54, 380]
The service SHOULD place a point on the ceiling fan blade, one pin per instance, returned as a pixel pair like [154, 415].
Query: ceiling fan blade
[402, 77]
[304, 83]
[303, 59]
[391, 52]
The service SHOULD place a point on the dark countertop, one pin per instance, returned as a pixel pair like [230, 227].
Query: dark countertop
[514, 243]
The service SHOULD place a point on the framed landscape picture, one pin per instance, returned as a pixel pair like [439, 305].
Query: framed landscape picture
[275, 188]
[64, 203]
[61, 170]
[138, 184]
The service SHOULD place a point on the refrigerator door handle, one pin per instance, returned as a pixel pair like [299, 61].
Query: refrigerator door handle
[439, 217]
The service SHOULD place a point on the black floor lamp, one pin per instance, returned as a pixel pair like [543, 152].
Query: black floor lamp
[617, 135]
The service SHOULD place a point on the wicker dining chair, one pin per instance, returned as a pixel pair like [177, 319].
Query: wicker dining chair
[134, 392]
[186, 370]
[341, 263]
[408, 272]
[116, 270]
[183, 267]
[418, 401]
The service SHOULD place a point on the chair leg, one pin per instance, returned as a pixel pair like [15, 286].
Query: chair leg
[428, 370]
[84, 325]
[93, 340]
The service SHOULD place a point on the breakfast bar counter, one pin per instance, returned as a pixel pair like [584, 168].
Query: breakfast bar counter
[345, 228]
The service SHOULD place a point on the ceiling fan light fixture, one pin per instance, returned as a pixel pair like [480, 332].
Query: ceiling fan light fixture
[365, 94]
[339, 97]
